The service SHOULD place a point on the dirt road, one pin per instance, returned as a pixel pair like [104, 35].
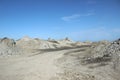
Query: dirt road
[37, 67]
[53, 65]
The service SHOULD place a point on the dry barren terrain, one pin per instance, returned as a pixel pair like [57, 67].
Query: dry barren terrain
[94, 61]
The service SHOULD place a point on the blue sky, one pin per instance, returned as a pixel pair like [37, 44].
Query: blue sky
[77, 19]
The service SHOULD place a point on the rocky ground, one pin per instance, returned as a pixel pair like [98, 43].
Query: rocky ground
[36, 59]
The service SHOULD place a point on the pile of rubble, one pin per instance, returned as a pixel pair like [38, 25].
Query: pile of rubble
[107, 48]
[105, 51]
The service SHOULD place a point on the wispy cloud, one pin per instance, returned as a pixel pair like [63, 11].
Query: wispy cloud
[72, 17]
[75, 16]
[100, 33]
[91, 1]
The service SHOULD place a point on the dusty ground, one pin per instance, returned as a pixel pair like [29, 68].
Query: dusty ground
[37, 67]
[63, 64]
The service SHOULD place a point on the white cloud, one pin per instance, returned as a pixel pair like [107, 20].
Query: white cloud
[75, 16]
[72, 17]
[89, 14]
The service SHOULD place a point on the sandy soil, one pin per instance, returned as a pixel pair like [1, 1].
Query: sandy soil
[53, 65]
[37, 67]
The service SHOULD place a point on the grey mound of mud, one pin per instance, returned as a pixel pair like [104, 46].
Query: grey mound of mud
[8, 47]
